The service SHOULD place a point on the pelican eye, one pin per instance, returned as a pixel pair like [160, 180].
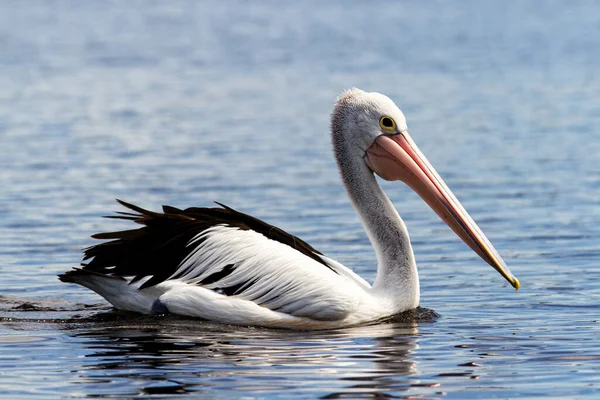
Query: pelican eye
[387, 124]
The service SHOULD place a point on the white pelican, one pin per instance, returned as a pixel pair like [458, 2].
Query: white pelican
[225, 266]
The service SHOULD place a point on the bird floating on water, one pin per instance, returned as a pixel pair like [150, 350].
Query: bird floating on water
[222, 265]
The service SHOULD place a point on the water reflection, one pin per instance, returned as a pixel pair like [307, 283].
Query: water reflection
[179, 356]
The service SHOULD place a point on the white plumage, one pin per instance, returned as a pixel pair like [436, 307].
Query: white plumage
[271, 274]
[284, 287]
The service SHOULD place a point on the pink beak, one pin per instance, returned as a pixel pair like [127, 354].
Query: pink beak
[397, 157]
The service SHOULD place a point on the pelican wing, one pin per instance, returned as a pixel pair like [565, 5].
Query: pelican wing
[230, 253]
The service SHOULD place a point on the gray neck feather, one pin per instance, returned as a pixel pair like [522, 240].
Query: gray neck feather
[396, 270]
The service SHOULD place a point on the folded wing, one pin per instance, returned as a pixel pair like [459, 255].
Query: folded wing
[230, 253]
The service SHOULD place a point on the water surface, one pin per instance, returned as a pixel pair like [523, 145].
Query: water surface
[185, 103]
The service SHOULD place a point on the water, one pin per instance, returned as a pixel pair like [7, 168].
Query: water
[184, 103]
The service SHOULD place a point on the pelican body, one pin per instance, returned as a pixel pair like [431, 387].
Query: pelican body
[222, 265]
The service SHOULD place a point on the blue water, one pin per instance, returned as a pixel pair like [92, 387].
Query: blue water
[188, 102]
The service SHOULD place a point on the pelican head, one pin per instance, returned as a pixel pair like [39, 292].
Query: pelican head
[373, 130]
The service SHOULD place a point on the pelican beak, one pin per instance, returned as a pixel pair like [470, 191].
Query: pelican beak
[397, 157]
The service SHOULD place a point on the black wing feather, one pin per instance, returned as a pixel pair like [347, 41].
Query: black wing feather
[162, 243]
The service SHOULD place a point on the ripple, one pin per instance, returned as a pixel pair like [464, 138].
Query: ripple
[21, 339]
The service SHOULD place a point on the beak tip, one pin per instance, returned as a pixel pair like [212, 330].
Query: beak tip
[515, 283]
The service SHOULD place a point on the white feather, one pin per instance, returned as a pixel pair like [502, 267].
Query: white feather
[268, 268]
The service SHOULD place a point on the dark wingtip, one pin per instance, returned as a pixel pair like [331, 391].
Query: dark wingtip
[115, 235]
[135, 208]
[225, 207]
[171, 210]
[71, 276]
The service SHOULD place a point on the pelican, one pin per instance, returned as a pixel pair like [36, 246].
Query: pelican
[222, 265]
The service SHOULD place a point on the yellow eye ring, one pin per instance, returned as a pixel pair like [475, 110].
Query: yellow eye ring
[387, 124]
